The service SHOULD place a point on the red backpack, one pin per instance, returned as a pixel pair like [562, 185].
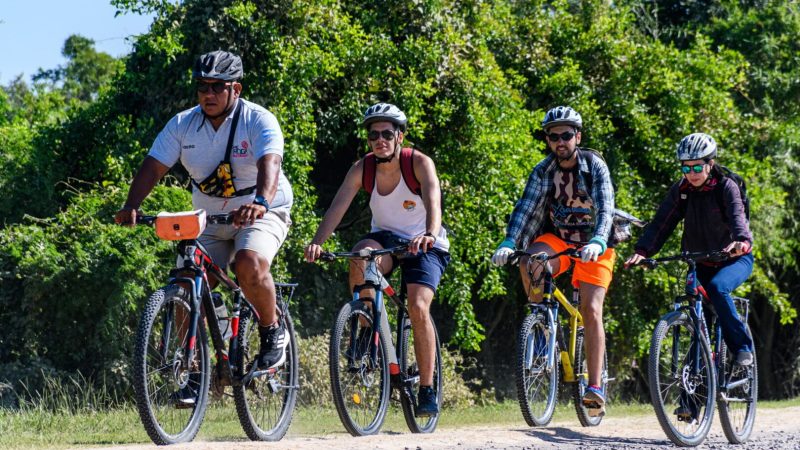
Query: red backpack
[406, 169]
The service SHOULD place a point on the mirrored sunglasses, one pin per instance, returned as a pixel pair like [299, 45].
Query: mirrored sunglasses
[697, 168]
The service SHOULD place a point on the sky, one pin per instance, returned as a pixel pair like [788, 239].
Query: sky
[32, 32]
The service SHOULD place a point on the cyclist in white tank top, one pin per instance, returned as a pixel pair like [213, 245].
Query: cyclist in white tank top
[397, 212]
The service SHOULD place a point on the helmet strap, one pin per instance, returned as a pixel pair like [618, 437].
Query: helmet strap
[379, 160]
[571, 155]
[228, 108]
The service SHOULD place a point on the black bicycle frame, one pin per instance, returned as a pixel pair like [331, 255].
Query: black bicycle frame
[198, 263]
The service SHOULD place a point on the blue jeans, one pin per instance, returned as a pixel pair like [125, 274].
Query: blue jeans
[719, 282]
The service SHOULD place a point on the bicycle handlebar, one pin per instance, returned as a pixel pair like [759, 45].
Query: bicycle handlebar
[717, 256]
[364, 253]
[221, 219]
[542, 257]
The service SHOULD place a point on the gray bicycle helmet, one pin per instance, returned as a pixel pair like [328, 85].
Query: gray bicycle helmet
[562, 115]
[697, 146]
[218, 65]
[385, 112]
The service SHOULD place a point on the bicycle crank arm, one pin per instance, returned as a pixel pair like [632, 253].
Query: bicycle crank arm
[735, 384]
[725, 398]
[255, 374]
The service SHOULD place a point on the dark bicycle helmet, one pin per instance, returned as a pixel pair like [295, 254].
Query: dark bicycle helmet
[562, 115]
[218, 65]
[697, 146]
[385, 112]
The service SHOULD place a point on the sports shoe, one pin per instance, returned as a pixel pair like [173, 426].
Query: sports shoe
[744, 358]
[426, 402]
[274, 340]
[594, 401]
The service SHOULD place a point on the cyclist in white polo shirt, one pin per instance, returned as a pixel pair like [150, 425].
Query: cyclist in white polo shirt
[233, 150]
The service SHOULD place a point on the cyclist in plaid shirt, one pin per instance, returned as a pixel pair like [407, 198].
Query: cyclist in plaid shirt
[569, 202]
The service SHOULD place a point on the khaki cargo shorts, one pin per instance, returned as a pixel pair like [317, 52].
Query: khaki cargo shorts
[264, 237]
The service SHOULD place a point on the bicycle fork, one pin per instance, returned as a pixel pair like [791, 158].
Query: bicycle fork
[531, 351]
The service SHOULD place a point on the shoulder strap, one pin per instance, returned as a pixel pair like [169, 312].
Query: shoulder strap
[368, 173]
[740, 184]
[588, 154]
[233, 133]
[407, 169]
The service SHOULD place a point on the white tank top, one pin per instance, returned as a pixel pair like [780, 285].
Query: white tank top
[403, 213]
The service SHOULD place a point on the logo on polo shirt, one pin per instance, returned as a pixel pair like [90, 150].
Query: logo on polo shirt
[409, 205]
[240, 151]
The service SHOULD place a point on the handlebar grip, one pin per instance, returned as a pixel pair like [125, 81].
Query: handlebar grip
[327, 256]
[221, 219]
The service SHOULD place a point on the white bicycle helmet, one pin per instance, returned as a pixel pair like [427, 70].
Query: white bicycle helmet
[562, 115]
[385, 112]
[697, 146]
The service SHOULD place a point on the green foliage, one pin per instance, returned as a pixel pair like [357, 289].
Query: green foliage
[73, 286]
[87, 70]
[474, 78]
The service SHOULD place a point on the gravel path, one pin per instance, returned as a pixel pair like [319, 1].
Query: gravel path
[775, 429]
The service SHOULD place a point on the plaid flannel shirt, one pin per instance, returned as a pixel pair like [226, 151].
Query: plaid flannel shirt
[531, 210]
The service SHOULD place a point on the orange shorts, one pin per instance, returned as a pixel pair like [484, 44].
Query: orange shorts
[598, 273]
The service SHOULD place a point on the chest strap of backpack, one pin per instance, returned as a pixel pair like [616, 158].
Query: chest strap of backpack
[228, 148]
[406, 169]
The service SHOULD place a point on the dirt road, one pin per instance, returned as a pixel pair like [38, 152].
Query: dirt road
[776, 429]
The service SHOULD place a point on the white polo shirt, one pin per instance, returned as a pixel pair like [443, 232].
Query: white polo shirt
[200, 148]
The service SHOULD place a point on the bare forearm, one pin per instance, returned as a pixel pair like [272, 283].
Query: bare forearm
[269, 169]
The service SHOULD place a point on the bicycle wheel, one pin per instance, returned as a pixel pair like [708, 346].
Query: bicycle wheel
[738, 396]
[266, 404]
[360, 386]
[409, 371]
[682, 396]
[537, 382]
[582, 382]
[171, 394]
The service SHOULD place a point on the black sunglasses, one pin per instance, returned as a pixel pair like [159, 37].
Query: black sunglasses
[697, 168]
[217, 87]
[387, 135]
[565, 136]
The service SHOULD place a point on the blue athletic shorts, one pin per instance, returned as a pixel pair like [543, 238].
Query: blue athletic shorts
[423, 268]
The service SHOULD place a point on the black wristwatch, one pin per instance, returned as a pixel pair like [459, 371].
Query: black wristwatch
[429, 234]
[260, 200]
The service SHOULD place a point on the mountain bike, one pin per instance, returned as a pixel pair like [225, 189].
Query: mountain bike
[543, 345]
[172, 366]
[690, 369]
[365, 365]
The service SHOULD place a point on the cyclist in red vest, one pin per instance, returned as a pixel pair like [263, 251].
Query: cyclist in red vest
[405, 200]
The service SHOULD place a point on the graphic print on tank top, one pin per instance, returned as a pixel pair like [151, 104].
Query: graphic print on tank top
[571, 210]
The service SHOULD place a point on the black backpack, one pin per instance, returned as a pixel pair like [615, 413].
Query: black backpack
[742, 190]
[719, 193]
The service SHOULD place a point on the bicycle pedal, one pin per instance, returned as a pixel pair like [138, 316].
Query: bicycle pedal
[596, 411]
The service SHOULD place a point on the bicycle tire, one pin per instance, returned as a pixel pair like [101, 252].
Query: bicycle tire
[266, 404]
[582, 382]
[737, 422]
[159, 375]
[410, 371]
[360, 387]
[537, 384]
[679, 388]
